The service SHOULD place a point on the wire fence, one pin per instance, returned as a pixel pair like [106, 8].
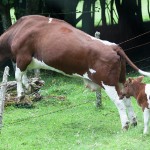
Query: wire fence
[17, 121]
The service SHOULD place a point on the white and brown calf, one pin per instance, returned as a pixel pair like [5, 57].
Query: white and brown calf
[141, 92]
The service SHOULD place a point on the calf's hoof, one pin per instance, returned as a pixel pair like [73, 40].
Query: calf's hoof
[145, 132]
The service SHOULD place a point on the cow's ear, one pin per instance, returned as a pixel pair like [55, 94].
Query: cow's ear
[140, 78]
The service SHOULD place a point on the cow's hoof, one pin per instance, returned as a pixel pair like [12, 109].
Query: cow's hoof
[19, 98]
[28, 89]
[134, 122]
[126, 127]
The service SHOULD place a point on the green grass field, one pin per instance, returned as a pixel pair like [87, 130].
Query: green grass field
[66, 118]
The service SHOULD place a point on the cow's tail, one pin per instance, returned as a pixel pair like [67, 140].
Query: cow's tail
[122, 53]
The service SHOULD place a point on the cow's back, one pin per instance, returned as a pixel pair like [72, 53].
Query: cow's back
[61, 46]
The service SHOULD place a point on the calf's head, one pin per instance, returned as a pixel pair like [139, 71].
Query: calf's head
[130, 86]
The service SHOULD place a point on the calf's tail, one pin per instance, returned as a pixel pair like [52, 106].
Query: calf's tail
[122, 53]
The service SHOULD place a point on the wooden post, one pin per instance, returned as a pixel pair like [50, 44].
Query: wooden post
[98, 93]
[2, 93]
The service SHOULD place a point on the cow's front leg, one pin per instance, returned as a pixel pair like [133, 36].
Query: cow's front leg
[25, 82]
[131, 114]
[18, 76]
[146, 116]
[112, 93]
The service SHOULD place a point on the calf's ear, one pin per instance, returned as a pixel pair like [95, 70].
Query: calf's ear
[140, 78]
[129, 80]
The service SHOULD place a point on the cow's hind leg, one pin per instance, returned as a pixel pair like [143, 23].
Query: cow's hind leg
[131, 114]
[112, 93]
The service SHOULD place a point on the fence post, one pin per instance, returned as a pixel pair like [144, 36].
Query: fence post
[2, 93]
[98, 92]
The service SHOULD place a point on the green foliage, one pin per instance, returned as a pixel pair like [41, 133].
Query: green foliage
[67, 118]
[5, 2]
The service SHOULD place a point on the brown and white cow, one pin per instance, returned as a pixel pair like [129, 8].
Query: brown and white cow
[48, 43]
[141, 92]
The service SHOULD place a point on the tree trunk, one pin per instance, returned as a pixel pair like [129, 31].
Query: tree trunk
[5, 15]
[70, 9]
[111, 12]
[102, 2]
[87, 21]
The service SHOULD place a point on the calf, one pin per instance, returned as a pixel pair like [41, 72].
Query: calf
[141, 92]
[38, 42]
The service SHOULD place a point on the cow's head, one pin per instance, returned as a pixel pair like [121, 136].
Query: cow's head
[130, 86]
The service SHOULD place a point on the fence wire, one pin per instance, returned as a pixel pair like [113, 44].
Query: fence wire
[49, 113]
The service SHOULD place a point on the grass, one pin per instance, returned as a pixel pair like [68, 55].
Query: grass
[66, 118]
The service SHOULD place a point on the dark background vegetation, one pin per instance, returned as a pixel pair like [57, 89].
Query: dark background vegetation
[130, 22]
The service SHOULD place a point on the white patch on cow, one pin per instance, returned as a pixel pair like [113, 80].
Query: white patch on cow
[76, 75]
[91, 85]
[103, 41]
[147, 92]
[112, 93]
[50, 20]
[107, 42]
[85, 76]
[92, 70]
[37, 64]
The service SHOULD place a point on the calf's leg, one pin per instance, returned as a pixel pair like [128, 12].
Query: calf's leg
[146, 120]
